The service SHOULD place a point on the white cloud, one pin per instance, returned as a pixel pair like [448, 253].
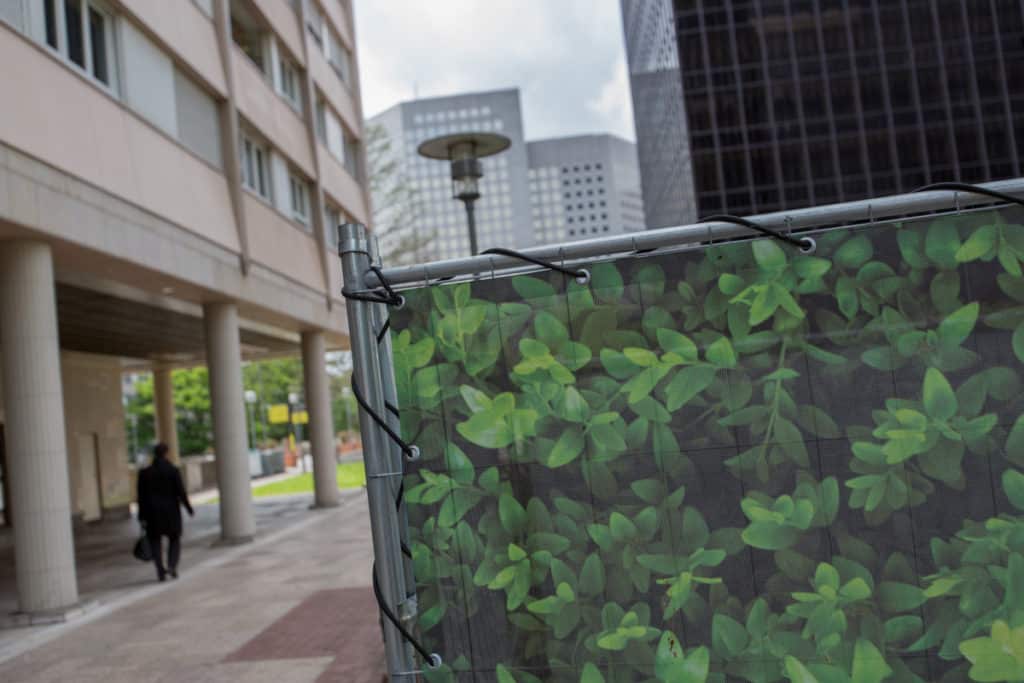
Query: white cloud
[566, 56]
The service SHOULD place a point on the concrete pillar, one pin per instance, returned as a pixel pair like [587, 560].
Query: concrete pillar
[163, 406]
[321, 421]
[37, 458]
[224, 362]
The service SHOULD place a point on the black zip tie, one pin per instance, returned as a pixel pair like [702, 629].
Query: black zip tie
[804, 244]
[411, 452]
[389, 296]
[972, 189]
[383, 331]
[432, 659]
[392, 408]
[582, 275]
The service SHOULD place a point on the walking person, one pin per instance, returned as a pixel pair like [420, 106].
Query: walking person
[161, 493]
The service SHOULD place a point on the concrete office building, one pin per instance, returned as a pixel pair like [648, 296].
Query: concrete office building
[790, 103]
[503, 210]
[170, 173]
[662, 138]
[584, 186]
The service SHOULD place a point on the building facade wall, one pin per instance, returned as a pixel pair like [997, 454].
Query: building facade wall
[663, 142]
[94, 426]
[583, 187]
[792, 103]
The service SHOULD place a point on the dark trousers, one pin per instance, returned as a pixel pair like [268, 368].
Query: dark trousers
[173, 551]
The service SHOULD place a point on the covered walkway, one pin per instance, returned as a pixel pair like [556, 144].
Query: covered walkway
[295, 605]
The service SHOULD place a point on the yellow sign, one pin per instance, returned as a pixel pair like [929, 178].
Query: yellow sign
[300, 417]
[278, 413]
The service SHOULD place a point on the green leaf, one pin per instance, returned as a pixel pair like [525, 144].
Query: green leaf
[721, 354]
[810, 267]
[672, 666]
[591, 674]
[511, 514]
[846, 296]
[730, 284]
[769, 255]
[939, 399]
[900, 597]
[911, 249]
[474, 398]
[1013, 484]
[770, 536]
[1018, 343]
[641, 357]
[764, 305]
[677, 343]
[566, 449]
[550, 330]
[484, 429]
[622, 527]
[728, 635]
[797, 672]
[606, 282]
[981, 242]
[942, 242]
[515, 553]
[854, 253]
[592, 576]
[687, 384]
[504, 675]
[869, 666]
[882, 358]
[957, 326]
[532, 288]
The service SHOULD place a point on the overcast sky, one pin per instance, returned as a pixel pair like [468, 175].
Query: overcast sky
[565, 56]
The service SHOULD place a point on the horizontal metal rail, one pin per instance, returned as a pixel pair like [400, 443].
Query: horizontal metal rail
[880, 208]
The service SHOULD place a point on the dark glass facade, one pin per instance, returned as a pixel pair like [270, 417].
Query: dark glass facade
[792, 103]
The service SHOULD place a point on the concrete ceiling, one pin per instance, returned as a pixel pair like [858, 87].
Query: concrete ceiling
[95, 322]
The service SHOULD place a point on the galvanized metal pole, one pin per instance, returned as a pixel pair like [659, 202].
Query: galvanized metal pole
[861, 211]
[355, 261]
[408, 608]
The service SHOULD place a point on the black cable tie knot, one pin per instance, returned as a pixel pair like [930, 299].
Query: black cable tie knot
[432, 659]
[806, 245]
[972, 189]
[582, 275]
[411, 452]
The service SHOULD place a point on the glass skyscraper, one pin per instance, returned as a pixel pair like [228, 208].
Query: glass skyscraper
[790, 103]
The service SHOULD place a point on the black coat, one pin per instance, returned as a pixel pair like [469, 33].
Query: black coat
[161, 493]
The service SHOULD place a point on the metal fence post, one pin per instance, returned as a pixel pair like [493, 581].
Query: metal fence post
[377, 448]
[408, 608]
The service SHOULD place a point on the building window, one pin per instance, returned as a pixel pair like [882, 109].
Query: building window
[338, 57]
[290, 83]
[87, 39]
[255, 169]
[332, 219]
[248, 34]
[321, 121]
[315, 24]
[299, 190]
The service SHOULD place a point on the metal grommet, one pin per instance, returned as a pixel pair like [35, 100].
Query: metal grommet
[435, 661]
[583, 276]
[414, 454]
[400, 304]
[809, 245]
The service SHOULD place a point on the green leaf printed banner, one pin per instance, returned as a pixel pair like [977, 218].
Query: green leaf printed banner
[731, 463]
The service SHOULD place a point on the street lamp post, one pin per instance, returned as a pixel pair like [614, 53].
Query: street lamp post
[464, 151]
[250, 402]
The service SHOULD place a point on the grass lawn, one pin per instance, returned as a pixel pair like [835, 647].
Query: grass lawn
[351, 475]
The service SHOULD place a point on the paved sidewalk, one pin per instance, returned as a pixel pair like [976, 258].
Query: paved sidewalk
[294, 606]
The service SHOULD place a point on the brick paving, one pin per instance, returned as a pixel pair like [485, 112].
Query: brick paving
[292, 607]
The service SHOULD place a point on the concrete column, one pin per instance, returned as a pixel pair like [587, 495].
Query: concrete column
[163, 406]
[37, 458]
[321, 421]
[224, 362]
